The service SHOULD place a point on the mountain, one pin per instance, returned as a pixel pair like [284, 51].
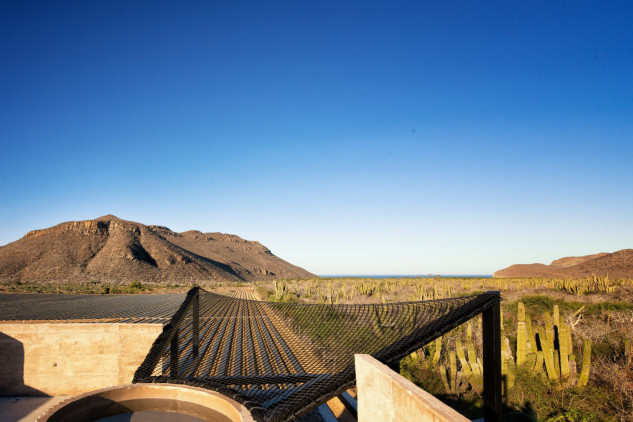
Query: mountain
[617, 265]
[109, 249]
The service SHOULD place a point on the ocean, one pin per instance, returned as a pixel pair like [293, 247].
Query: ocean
[404, 276]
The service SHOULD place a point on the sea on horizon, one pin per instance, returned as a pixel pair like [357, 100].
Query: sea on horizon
[405, 276]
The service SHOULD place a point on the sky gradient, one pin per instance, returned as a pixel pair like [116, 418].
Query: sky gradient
[348, 137]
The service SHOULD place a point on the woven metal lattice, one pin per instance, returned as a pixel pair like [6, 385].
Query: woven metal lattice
[281, 360]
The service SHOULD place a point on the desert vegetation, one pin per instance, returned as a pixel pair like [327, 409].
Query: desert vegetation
[567, 343]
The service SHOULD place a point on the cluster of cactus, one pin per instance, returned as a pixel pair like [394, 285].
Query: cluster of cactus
[367, 289]
[471, 366]
[575, 287]
[436, 290]
[281, 290]
[442, 291]
[456, 378]
[600, 284]
[588, 285]
[548, 350]
[344, 293]
[421, 293]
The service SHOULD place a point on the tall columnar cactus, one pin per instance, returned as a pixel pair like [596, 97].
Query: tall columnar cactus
[563, 351]
[586, 363]
[438, 350]
[507, 366]
[549, 349]
[281, 290]
[522, 336]
[471, 367]
[472, 356]
[538, 365]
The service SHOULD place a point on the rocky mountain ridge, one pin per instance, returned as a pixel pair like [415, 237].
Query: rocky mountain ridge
[110, 249]
[617, 265]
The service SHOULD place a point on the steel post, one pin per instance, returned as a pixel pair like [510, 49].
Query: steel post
[491, 328]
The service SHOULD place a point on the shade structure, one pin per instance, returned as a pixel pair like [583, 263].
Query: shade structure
[281, 360]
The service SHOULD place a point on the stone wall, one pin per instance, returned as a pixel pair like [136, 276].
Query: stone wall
[70, 358]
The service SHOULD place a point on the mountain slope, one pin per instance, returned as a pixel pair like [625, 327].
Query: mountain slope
[618, 265]
[113, 250]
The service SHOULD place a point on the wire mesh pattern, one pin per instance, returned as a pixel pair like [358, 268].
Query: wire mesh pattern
[281, 360]
[156, 309]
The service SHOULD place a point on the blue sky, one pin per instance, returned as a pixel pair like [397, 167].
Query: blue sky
[348, 137]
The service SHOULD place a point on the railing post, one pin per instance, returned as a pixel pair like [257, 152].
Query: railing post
[491, 327]
[173, 355]
[196, 324]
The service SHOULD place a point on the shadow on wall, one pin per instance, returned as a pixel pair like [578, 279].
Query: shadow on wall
[12, 369]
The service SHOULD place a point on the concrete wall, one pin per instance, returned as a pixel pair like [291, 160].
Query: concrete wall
[70, 358]
[385, 396]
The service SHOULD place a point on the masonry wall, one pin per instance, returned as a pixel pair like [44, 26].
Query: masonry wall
[70, 358]
[386, 396]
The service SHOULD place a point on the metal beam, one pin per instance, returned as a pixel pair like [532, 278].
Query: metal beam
[491, 327]
[195, 309]
[173, 355]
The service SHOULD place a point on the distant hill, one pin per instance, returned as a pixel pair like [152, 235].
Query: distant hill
[617, 265]
[109, 249]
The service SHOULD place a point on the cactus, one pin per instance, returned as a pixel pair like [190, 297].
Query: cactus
[459, 349]
[438, 350]
[456, 378]
[563, 351]
[507, 366]
[530, 335]
[471, 370]
[545, 350]
[451, 377]
[573, 371]
[472, 356]
[538, 365]
[453, 362]
[548, 350]
[586, 364]
[281, 290]
[522, 342]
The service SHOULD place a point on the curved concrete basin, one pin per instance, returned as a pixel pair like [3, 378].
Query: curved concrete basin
[205, 405]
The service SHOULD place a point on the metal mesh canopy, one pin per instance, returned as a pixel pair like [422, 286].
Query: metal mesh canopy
[281, 360]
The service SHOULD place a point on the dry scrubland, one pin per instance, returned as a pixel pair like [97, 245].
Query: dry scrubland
[567, 343]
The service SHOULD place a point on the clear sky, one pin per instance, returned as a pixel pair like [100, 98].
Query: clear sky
[349, 137]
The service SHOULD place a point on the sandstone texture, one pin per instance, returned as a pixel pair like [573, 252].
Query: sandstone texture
[616, 265]
[109, 249]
